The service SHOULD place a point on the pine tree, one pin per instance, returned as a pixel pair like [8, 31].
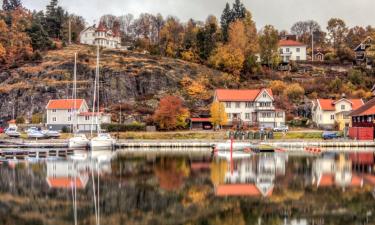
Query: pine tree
[10, 5]
[238, 11]
[226, 18]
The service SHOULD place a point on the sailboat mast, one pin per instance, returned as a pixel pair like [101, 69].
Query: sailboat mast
[98, 83]
[94, 98]
[75, 95]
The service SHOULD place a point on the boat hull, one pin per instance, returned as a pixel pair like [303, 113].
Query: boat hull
[101, 143]
[236, 146]
[78, 143]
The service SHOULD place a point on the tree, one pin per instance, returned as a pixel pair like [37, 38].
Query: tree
[337, 31]
[10, 5]
[355, 36]
[227, 59]
[171, 114]
[226, 18]
[77, 24]
[208, 37]
[304, 29]
[171, 36]
[268, 44]
[39, 37]
[218, 115]
[55, 16]
[277, 86]
[294, 92]
[238, 10]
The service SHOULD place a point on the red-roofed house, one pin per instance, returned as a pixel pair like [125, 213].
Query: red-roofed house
[100, 36]
[364, 116]
[292, 50]
[253, 107]
[328, 112]
[60, 113]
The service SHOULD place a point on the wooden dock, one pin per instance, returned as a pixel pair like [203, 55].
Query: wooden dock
[21, 154]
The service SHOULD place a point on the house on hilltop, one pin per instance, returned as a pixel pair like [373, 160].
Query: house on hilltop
[101, 36]
[253, 107]
[365, 52]
[291, 50]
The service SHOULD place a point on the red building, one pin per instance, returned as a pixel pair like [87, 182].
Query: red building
[364, 117]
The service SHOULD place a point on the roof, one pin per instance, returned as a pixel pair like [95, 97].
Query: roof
[237, 190]
[65, 182]
[65, 104]
[240, 95]
[200, 119]
[326, 180]
[101, 27]
[290, 43]
[329, 104]
[367, 109]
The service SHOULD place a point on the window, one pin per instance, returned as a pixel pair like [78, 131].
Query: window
[247, 115]
[69, 118]
[332, 117]
[280, 114]
[238, 104]
[298, 58]
[228, 104]
[342, 107]
[228, 115]
[69, 110]
[298, 49]
[265, 104]
[287, 50]
[54, 119]
[87, 118]
[264, 95]
[287, 59]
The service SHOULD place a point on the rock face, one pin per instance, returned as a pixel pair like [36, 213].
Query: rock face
[135, 79]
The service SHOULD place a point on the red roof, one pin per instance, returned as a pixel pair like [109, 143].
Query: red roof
[290, 43]
[200, 119]
[356, 181]
[239, 190]
[101, 27]
[65, 104]
[329, 104]
[240, 95]
[366, 109]
[326, 180]
[65, 182]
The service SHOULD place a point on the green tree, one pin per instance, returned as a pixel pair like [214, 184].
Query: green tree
[226, 18]
[39, 37]
[238, 10]
[268, 45]
[207, 38]
[54, 19]
[10, 5]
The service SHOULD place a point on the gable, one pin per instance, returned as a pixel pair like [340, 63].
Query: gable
[265, 95]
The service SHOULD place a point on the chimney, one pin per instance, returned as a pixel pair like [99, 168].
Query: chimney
[343, 95]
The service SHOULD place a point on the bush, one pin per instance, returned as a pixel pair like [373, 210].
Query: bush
[124, 127]
[20, 120]
[37, 118]
[65, 129]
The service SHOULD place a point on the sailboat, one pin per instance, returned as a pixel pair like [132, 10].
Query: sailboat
[78, 140]
[102, 140]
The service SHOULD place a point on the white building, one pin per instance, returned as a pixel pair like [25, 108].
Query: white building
[327, 112]
[60, 114]
[100, 36]
[252, 107]
[291, 50]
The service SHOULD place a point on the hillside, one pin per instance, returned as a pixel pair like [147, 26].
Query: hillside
[138, 80]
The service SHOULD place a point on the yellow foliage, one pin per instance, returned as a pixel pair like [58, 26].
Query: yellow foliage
[227, 59]
[2, 52]
[294, 92]
[218, 115]
[188, 56]
[277, 86]
[196, 89]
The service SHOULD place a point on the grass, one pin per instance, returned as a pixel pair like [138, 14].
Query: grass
[298, 135]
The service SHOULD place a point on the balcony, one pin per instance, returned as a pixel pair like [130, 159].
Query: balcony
[265, 108]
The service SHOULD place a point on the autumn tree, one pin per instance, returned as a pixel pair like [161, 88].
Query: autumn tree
[268, 45]
[227, 59]
[208, 37]
[355, 36]
[337, 31]
[171, 36]
[277, 87]
[228, 16]
[171, 114]
[294, 92]
[218, 114]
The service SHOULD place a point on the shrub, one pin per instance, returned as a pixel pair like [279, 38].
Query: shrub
[135, 126]
[37, 118]
[294, 92]
[20, 120]
[65, 129]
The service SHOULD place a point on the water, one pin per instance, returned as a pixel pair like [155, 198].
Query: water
[189, 188]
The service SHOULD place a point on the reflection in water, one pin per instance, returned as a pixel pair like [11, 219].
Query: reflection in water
[189, 189]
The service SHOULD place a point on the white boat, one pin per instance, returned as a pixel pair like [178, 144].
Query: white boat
[51, 133]
[236, 146]
[35, 134]
[235, 155]
[12, 132]
[102, 140]
[78, 140]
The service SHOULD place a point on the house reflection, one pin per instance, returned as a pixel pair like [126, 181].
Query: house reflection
[254, 176]
[67, 174]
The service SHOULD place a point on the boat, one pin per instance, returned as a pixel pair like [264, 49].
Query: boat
[78, 140]
[12, 132]
[236, 146]
[102, 140]
[235, 155]
[35, 134]
[51, 133]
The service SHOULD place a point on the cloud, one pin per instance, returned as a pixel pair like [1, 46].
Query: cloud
[280, 13]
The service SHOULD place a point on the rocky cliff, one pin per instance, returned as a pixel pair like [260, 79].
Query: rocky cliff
[137, 80]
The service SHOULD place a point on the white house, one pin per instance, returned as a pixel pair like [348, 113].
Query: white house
[252, 107]
[328, 112]
[291, 50]
[60, 114]
[100, 36]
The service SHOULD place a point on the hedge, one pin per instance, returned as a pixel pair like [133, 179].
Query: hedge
[113, 127]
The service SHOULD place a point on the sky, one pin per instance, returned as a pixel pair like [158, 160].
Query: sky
[280, 13]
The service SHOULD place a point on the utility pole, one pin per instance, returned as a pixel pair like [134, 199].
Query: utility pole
[70, 32]
[312, 45]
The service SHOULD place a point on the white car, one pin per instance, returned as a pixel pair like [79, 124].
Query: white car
[282, 128]
[12, 132]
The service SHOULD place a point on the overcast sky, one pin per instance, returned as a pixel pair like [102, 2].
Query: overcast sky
[280, 13]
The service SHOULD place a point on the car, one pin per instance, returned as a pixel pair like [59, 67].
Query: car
[2, 130]
[282, 128]
[329, 135]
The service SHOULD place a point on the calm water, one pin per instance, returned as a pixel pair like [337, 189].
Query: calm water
[195, 188]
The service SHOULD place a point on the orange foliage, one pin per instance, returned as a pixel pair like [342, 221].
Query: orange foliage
[196, 88]
[171, 114]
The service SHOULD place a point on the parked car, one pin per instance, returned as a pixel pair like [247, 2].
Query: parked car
[282, 128]
[12, 132]
[2, 130]
[329, 135]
